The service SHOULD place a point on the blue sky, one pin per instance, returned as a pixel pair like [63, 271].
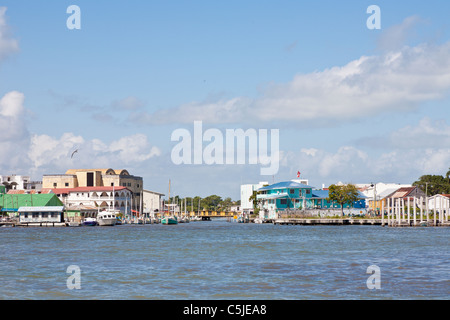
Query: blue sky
[352, 104]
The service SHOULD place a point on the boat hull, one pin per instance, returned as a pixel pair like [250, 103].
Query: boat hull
[106, 219]
[89, 222]
[107, 222]
[169, 221]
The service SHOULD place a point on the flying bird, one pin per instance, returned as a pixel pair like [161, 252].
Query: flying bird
[73, 153]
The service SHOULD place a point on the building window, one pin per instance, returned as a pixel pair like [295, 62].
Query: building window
[54, 184]
[291, 191]
[112, 184]
[308, 191]
[283, 201]
[66, 184]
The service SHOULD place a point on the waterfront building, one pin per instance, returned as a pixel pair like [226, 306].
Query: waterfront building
[78, 213]
[152, 201]
[407, 192]
[111, 198]
[291, 195]
[376, 193]
[320, 201]
[10, 203]
[246, 192]
[439, 201]
[46, 214]
[74, 178]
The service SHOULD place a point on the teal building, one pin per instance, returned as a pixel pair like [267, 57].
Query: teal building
[292, 195]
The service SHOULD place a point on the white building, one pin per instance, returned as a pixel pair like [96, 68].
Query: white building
[152, 201]
[439, 201]
[14, 182]
[112, 198]
[379, 190]
[246, 192]
[41, 214]
[19, 182]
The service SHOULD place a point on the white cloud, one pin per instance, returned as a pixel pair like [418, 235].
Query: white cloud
[410, 152]
[8, 45]
[14, 138]
[427, 134]
[54, 155]
[397, 81]
[396, 36]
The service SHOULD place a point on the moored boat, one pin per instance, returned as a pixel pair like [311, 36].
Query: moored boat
[169, 220]
[89, 222]
[106, 218]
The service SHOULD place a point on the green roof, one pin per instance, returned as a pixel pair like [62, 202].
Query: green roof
[15, 201]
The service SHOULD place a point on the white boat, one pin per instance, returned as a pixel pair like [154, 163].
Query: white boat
[106, 218]
[258, 220]
[89, 222]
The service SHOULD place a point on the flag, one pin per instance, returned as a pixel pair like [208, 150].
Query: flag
[298, 174]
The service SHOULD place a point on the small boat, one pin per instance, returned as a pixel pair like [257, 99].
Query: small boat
[169, 220]
[106, 218]
[258, 220]
[89, 222]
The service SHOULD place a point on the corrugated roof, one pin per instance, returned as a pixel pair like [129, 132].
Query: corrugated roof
[285, 184]
[16, 191]
[15, 201]
[402, 192]
[323, 194]
[39, 209]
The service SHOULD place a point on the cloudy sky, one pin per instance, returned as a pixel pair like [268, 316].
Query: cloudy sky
[351, 104]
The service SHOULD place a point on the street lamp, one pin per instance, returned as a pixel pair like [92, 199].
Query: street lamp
[374, 186]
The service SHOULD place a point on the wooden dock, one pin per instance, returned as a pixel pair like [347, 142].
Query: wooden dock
[33, 224]
[361, 222]
[330, 222]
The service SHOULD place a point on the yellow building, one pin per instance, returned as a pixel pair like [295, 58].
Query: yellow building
[74, 178]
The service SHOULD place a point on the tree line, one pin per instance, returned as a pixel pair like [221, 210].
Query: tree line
[434, 184]
[209, 203]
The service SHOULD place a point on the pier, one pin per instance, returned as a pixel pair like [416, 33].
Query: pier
[330, 222]
[414, 212]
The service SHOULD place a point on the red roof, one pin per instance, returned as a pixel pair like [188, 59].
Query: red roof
[16, 191]
[46, 190]
[86, 189]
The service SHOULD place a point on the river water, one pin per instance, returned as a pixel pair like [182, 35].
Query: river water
[219, 260]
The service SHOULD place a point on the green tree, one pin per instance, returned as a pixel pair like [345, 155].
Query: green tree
[434, 184]
[211, 202]
[346, 194]
[226, 204]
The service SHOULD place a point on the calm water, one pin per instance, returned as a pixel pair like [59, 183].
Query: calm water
[221, 260]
